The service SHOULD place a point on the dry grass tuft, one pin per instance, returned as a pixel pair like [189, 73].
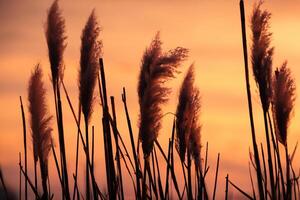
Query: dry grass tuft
[156, 68]
[40, 122]
[283, 101]
[188, 128]
[195, 135]
[55, 35]
[184, 113]
[89, 66]
[262, 54]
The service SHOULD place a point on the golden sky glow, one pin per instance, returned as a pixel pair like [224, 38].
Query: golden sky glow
[210, 29]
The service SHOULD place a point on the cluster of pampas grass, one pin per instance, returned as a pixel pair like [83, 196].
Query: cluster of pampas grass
[188, 127]
[187, 113]
[89, 65]
[156, 68]
[262, 59]
[40, 124]
[278, 91]
[262, 53]
[284, 96]
[195, 135]
[55, 35]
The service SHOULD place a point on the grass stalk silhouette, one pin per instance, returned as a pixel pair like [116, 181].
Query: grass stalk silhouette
[20, 178]
[75, 188]
[55, 35]
[136, 162]
[107, 137]
[282, 107]
[157, 67]
[33, 188]
[216, 177]
[120, 180]
[25, 143]
[261, 57]
[40, 125]
[90, 52]
[255, 149]
[82, 141]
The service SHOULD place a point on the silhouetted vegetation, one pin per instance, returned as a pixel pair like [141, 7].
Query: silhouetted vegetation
[275, 176]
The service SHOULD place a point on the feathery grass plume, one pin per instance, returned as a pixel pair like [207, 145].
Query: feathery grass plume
[262, 54]
[184, 113]
[156, 68]
[195, 134]
[40, 123]
[284, 96]
[89, 66]
[55, 35]
[262, 57]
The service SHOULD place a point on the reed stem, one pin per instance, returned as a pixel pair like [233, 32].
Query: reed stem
[255, 149]
[87, 174]
[62, 144]
[20, 178]
[270, 162]
[226, 188]
[117, 148]
[288, 179]
[75, 188]
[25, 143]
[216, 177]
[137, 168]
[107, 136]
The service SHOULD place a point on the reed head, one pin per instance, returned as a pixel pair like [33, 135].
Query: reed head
[262, 54]
[55, 35]
[283, 101]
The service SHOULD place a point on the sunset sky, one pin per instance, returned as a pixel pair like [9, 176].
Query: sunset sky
[209, 29]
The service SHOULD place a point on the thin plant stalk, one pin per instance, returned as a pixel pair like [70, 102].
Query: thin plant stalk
[137, 168]
[93, 148]
[288, 179]
[93, 162]
[265, 169]
[184, 175]
[28, 180]
[87, 172]
[117, 148]
[107, 135]
[158, 173]
[216, 177]
[255, 149]
[251, 179]
[57, 166]
[20, 179]
[82, 139]
[25, 143]
[276, 148]
[270, 162]
[75, 189]
[167, 173]
[240, 190]
[226, 188]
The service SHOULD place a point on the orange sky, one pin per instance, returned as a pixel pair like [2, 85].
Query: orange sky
[210, 29]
